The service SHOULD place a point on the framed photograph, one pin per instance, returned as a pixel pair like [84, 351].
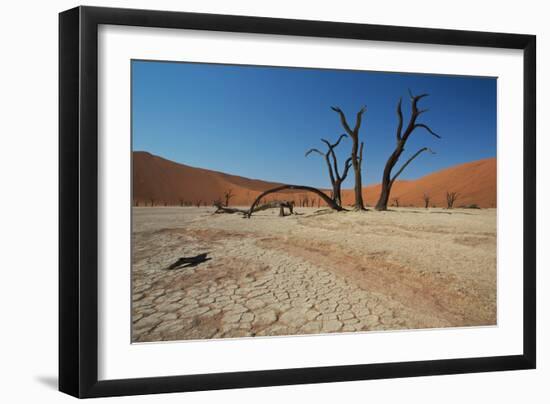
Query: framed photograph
[251, 201]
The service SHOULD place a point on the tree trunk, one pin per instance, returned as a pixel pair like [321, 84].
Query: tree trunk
[358, 188]
[337, 192]
[387, 183]
[382, 203]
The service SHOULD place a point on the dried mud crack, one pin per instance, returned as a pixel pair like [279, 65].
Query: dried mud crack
[308, 274]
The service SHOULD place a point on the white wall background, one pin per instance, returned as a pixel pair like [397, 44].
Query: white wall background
[28, 201]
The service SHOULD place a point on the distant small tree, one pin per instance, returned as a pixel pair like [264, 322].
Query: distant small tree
[198, 203]
[426, 198]
[152, 202]
[396, 202]
[228, 195]
[451, 199]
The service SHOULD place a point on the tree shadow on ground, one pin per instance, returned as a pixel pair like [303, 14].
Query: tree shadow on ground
[189, 262]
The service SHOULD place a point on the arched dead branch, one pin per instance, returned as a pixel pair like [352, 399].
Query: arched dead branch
[321, 194]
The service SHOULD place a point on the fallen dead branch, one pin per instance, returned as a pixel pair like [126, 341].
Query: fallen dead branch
[329, 201]
[270, 205]
[223, 209]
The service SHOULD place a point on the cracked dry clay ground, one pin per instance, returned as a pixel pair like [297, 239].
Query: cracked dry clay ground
[317, 272]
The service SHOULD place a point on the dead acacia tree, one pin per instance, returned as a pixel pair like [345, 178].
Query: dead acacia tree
[332, 164]
[426, 198]
[396, 202]
[451, 199]
[356, 153]
[401, 140]
[198, 203]
[321, 194]
[228, 195]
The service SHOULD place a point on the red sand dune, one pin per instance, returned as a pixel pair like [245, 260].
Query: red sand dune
[475, 183]
[166, 182]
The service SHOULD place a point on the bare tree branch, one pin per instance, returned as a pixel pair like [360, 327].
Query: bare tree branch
[424, 126]
[421, 111]
[343, 135]
[331, 147]
[314, 151]
[415, 155]
[359, 118]
[343, 120]
[335, 163]
[416, 98]
[400, 119]
[347, 166]
[327, 160]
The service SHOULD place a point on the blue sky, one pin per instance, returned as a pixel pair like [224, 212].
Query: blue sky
[258, 122]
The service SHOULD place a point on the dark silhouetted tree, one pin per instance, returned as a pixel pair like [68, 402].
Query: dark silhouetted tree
[332, 164]
[426, 198]
[401, 139]
[227, 196]
[451, 199]
[356, 153]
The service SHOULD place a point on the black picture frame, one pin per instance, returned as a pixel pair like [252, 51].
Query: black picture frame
[78, 201]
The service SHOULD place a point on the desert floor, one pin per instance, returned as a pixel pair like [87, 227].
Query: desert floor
[315, 272]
